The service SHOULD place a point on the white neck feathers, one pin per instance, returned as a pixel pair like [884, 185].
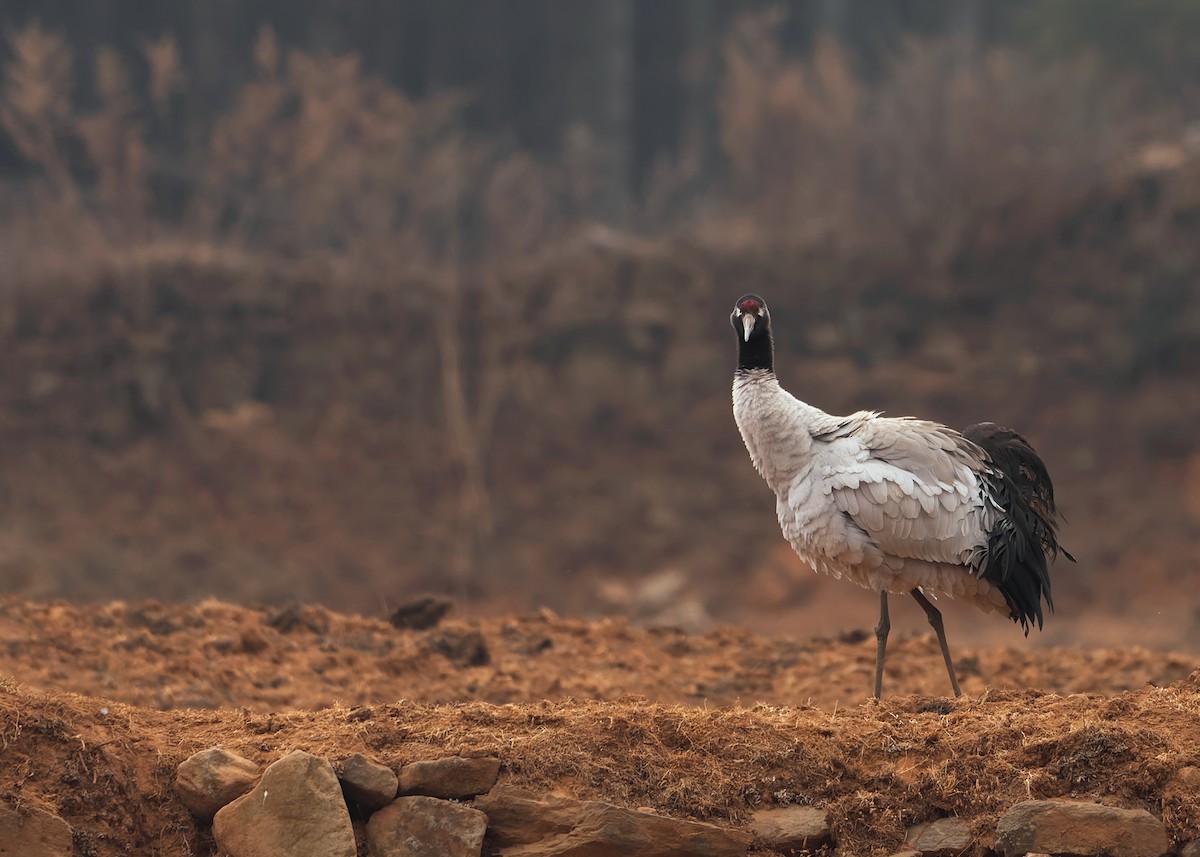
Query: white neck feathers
[777, 427]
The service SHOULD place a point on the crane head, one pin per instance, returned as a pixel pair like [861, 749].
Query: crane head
[749, 316]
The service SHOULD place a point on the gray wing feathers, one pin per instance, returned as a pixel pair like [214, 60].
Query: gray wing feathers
[929, 451]
[911, 486]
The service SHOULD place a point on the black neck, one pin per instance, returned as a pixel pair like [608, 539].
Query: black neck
[757, 353]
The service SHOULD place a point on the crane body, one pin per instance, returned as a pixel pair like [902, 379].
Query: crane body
[896, 504]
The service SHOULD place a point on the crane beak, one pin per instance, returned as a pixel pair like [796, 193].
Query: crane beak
[748, 320]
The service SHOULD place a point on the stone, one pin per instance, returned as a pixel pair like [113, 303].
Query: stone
[1070, 827]
[1185, 779]
[421, 614]
[296, 810]
[464, 648]
[791, 828]
[33, 832]
[451, 777]
[524, 825]
[252, 641]
[295, 617]
[369, 784]
[942, 837]
[208, 780]
[1192, 849]
[421, 826]
[1181, 799]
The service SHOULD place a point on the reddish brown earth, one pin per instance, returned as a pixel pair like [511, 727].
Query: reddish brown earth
[102, 702]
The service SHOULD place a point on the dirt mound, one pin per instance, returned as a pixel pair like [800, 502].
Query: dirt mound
[707, 726]
[215, 655]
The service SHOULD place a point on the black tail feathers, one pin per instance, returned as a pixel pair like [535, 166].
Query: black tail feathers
[1028, 531]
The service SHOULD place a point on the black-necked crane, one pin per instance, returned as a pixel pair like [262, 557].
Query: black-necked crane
[897, 504]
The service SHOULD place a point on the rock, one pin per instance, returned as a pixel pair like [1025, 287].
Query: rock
[252, 641]
[367, 783]
[295, 617]
[791, 828]
[942, 837]
[296, 810]
[33, 832]
[522, 825]
[418, 826]
[1069, 827]
[463, 648]
[1186, 779]
[208, 780]
[1192, 849]
[451, 777]
[421, 614]
[1181, 798]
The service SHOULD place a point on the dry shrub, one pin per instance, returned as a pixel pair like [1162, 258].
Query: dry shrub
[942, 154]
[319, 167]
[315, 161]
[36, 107]
[36, 114]
[318, 160]
[960, 156]
[789, 130]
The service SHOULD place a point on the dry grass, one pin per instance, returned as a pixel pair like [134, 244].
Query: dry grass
[876, 768]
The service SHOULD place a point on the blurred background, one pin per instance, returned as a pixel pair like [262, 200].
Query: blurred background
[350, 302]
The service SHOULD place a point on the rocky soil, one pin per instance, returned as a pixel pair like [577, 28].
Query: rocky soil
[101, 704]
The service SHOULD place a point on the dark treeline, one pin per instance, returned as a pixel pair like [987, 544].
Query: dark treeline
[639, 77]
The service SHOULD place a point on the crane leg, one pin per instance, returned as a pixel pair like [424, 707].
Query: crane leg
[935, 619]
[881, 635]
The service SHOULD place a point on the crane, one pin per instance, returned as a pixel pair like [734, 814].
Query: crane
[896, 504]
